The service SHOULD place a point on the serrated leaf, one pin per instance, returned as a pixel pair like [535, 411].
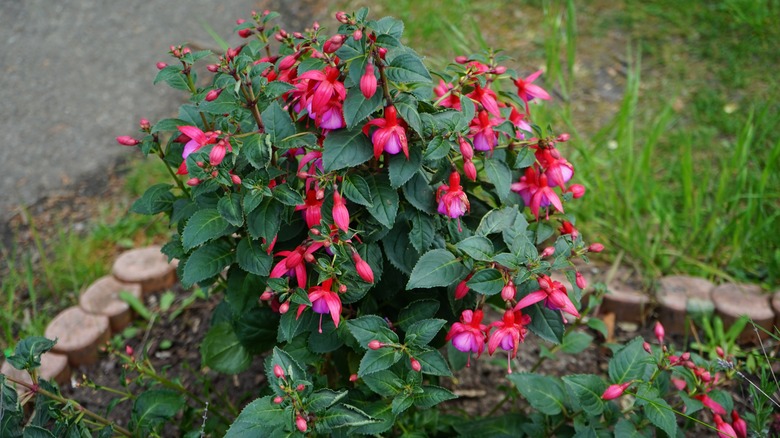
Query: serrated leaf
[424, 331]
[345, 148]
[257, 151]
[506, 426]
[265, 220]
[416, 311]
[204, 225]
[402, 402]
[423, 232]
[257, 329]
[495, 221]
[323, 399]
[436, 268]
[384, 200]
[27, 354]
[278, 124]
[287, 196]
[407, 68]
[154, 407]
[356, 189]
[630, 363]
[420, 194]
[399, 251]
[221, 350]
[546, 323]
[168, 125]
[576, 342]
[357, 108]
[477, 247]
[206, 262]
[385, 383]
[173, 76]
[389, 26]
[229, 206]
[292, 369]
[407, 108]
[587, 389]
[251, 257]
[544, 393]
[658, 412]
[259, 418]
[437, 149]
[433, 363]
[487, 281]
[380, 411]
[157, 199]
[342, 415]
[402, 169]
[378, 360]
[525, 158]
[370, 327]
[499, 174]
[432, 396]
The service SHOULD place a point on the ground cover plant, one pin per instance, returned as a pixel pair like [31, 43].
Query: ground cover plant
[347, 207]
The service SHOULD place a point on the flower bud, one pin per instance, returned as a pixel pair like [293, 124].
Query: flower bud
[363, 269]
[278, 371]
[301, 424]
[287, 62]
[470, 170]
[615, 391]
[340, 212]
[462, 289]
[685, 356]
[161, 65]
[720, 352]
[297, 35]
[266, 295]
[213, 94]
[342, 17]
[126, 140]
[185, 50]
[300, 387]
[375, 345]
[236, 179]
[334, 43]
[415, 364]
[509, 291]
[245, 33]
[659, 332]
[192, 182]
[284, 307]
[357, 34]
[596, 247]
[342, 288]
[646, 346]
[128, 350]
[580, 281]
[547, 252]
[353, 377]
[278, 400]
[725, 430]
[739, 425]
[679, 383]
[368, 82]
[144, 124]
[499, 70]
[240, 21]
[577, 190]
[466, 149]
[563, 137]
[461, 59]
[382, 53]
[278, 37]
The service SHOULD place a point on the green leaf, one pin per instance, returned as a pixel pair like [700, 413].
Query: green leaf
[168, 125]
[499, 174]
[259, 418]
[287, 195]
[290, 325]
[423, 331]
[598, 325]
[36, 432]
[506, 426]
[323, 398]
[407, 68]
[630, 363]
[657, 410]
[342, 415]
[265, 220]
[356, 189]
[278, 124]
[384, 200]
[252, 258]
[495, 221]
[257, 150]
[587, 389]
[420, 194]
[292, 369]
[154, 407]
[403, 169]
[435, 268]
[380, 411]
[477, 247]
[385, 383]
[389, 26]
[576, 342]
[157, 199]
[432, 396]
[546, 323]
[437, 149]
[402, 402]
[399, 250]
[204, 225]
[370, 327]
[222, 351]
[257, 329]
[378, 360]
[206, 262]
[416, 311]
[423, 231]
[546, 394]
[487, 281]
[345, 148]
[625, 428]
[173, 76]
[27, 354]
[357, 108]
[12, 420]
[433, 363]
[406, 105]
[525, 158]
[230, 209]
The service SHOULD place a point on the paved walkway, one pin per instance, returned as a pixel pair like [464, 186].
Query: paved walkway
[74, 74]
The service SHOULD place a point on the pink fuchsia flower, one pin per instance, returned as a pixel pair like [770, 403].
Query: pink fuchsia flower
[330, 117]
[126, 140]
[486, 97]
[323, 300]
[615, 391]
[559, 172]
[482, 133]
[518, 119]
[511, 332]
[739, 425]
[198, 139]
[322, 87]
[527, 91]
[363, 268]
[711, 404]
[368, 82]
[453, 201]
[554, 295]
[340, 212]
[568, 228]
[312, 209]
[293, 263]
[535, 191]
[390, 136]
[724, 429]
[448, 98]
[468, 335]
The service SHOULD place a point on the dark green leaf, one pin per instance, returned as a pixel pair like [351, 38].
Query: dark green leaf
[477, 247]
[402, 402]
[630, 363]
[495, 221]
[278, 124]
[399, 250]
[378, 360]
[259, 418]
[432, 396]
[416, 311]
[206, 262]
[423, 331]
[168, 125]
[525, 158]
[342, 415]
[252, 258]
[287, 195]
[587, 389]
[382, 412]
[403, 169]
[356, 190]
[221, 350]
[487, 281]
[157, 199]
[204, 225]
[357, 108]
[385, 383]
[371, 327]
[346, 148]
[435, 268]
[256, 329]
[544, 393]
[173, 76]
[230, 209]
[575, 342]
[506, 426]
[546, 323]
[257, 150]
[323, 399]
[423, 231]
[155, 406]
[265, 220]
[407, 108]
[420, 194]
[437, 149]
[389, 26]
[27, 354]
[292, 369]
[407, 68]
[499, 174]
[384, 200]
[433, 363]
[657, 410]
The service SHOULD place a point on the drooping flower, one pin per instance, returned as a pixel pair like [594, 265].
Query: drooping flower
[323, 300]
[724, 429]
[518, 119]
[331, 116]
[482, 133]
[368, 82]
[711, 404]
[554, 295]
[739, 425]
[535, 191]
[486, 97]
[453, 201]
[198, 139]
[527, 91]
[451, 99]
[363, 268]
[511, 332]
[322, 87]
[340, 212]
[468, 335]
[312, 209]
[293, 263]
[390, 136]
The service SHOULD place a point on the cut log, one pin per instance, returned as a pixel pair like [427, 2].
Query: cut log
[677, 296]
[79, 335]
[102, 298]
[146, 266]
[626, 302]
[734, 300]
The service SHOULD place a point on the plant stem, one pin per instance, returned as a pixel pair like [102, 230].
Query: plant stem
[385, 83]
[70, 402]
[182, 187]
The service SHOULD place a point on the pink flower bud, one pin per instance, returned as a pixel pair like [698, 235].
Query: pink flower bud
[161, 65]
[462, 289]
[375, 345]
[284, 307]
[615, 391]
[236, 179]
[301, 424]
[679, 383]
[278, 400]
[685, 356]
[213, 94]
[315, 25]
[192, 182]
[245, 33]
[706, 377]
[353, 377]
[659, 332]
[470, 170]
[126, 140]
[363, 269]
[240, 21]
[266, 295]
[357, 35]
[300, 387]
[368, 82]
[334, 43]
[185, 50]
[128, 350]
[415, 364]
[739, 425]
[720, 352]
[342, 17]
[499, 70]
[287, 62]
[382, 53]
[724, 429]
[577, 190]
[461, 59]
[596, 247]
[647, 348]
[465, 149]
[278, 37]
[340, 212]
[144, 124]
[547, 252]
[563, 137]
[509, 291]
[580, 281]
[342, 288]
[297, 35]
[278, 371]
